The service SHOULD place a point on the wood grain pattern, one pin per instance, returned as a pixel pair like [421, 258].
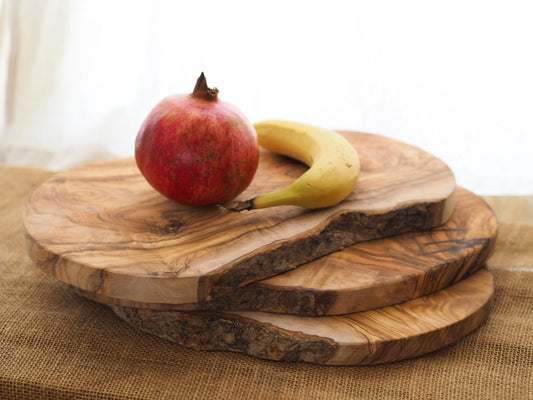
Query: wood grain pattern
[377, 273]
[378, 336]
[371, 274]
[104, 230]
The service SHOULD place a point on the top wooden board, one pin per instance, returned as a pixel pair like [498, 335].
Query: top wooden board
[104, 230]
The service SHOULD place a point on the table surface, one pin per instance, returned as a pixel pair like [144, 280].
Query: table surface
[56, 344]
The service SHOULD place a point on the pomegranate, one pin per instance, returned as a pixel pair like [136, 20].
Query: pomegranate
[197, 149]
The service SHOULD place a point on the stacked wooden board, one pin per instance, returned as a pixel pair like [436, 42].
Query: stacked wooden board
[395, 271]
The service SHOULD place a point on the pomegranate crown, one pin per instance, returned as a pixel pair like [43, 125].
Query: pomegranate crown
[202, 91]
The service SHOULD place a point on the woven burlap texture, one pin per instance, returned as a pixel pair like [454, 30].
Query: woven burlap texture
[56, 344]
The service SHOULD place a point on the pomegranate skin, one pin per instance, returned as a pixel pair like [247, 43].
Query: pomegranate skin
[197, 151]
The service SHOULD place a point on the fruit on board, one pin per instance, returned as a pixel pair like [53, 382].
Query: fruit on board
[333, 161]
[196, 149]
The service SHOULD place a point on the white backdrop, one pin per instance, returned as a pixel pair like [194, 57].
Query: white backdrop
[77, 77]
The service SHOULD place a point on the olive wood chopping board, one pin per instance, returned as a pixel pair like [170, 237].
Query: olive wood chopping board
[104, 230]
[370, 274]
[378, 336]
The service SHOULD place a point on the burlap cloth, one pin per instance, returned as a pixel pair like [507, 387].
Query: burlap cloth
[56, 344]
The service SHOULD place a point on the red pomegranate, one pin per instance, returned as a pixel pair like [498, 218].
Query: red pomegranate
[197, 149]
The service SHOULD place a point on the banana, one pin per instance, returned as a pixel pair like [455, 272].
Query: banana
[333, 166]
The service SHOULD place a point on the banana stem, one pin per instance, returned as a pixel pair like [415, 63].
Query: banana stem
[283, 197]
[238, 206]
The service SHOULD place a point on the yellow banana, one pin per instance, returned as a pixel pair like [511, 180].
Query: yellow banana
[333, 166]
